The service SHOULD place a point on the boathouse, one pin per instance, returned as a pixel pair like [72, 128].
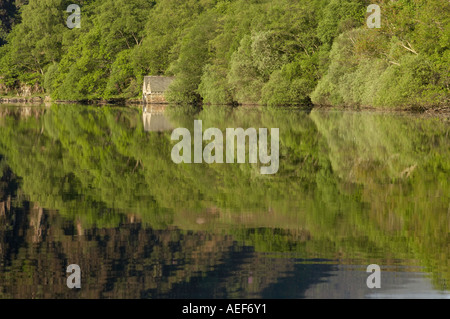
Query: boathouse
[155, 88]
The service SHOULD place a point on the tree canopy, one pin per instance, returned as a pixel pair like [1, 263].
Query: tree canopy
[275, 52]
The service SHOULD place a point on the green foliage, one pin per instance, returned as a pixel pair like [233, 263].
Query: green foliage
[288, 86]
[244, 77]
[35, 42]
[405, 63]
[194, 54]
[251, 52]
[8, 16]
[214, 87]
[122, 81]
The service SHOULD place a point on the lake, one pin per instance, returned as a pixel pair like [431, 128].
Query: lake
[96, 187]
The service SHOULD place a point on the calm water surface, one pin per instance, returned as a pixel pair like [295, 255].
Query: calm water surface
[96, 186]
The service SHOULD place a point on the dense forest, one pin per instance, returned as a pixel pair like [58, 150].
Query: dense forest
[369, 185]
[274, 52]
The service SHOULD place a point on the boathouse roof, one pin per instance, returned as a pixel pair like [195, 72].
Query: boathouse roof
[157, 84]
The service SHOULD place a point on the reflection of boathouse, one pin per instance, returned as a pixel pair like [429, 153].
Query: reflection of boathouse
[155, 88]
[154, 119]
[22, 111]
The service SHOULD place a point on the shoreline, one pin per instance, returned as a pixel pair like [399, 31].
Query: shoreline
[42, 100]
[37, 100]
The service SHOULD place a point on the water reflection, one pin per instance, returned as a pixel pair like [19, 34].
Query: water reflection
[96, 187]
[154, 118]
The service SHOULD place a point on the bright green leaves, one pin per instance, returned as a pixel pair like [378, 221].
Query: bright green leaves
[403, 64]
[239, 51]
